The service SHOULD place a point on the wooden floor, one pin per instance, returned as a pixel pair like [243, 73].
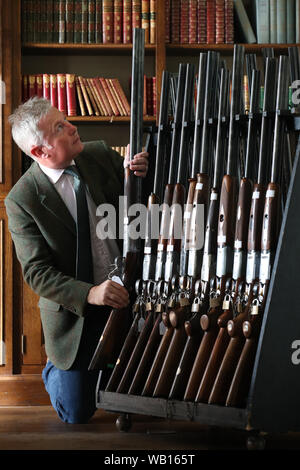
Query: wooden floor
[38, 428]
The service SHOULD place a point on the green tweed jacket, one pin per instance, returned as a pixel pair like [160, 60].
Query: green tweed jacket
[44, 236]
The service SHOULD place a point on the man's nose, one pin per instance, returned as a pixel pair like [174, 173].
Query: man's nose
[71, 128]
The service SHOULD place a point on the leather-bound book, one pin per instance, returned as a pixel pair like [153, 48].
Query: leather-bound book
[118, 21]
[145, 17]
[53, 90]
[127, 22]
[46, 86]
[61, 93]
[108, 21]
[71, 94]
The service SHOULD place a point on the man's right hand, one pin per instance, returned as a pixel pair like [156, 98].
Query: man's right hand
[109, 293]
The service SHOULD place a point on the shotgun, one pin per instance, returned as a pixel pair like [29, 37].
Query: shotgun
[145, 289]
[234, 326]
[179, 315]
[225, 236]
[239, 386]
[113, 336]
[200, 302]
[231, 301]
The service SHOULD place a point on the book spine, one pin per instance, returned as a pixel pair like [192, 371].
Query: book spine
[263, 21]
[116, 97]
[25, 91]
[85, 95]
[192, 15]
[62, 21]
[136, 14]
[118, 20]
[43, 21]
[210, 22]
[104, 100]
[146, 18]
[80, 97]
[273, 21]
[91, 21]
[61, 93]
[109, 96]
[149, 93]
[71, 94]
[77, 21]
[184, 22]
[91, 97]
[122, 95]
[96, 96]
[39, 85]
[31, 85]
[201, 22]
[152, 21]
[154, 96]
[220, 22]
[108, 21]
[56, 21]
[53, 90]
[281, 21]
[46, 86]
[127, 24]
[84, 21]
[98, 22]
[30, 20]
[290, 21]
[69, 38]
[36, 9]
[229, 25]
[175, 21]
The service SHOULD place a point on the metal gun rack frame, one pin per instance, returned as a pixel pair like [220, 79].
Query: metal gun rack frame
[273, 399]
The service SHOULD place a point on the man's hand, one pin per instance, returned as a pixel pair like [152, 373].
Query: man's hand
[139, 164]
[109, 293]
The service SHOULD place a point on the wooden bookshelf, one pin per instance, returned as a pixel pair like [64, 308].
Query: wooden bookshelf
[57, 48]
[107, 119]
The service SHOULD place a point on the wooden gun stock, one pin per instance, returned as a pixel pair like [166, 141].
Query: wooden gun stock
[136, 354]
[194, 335]
[215, 359]
[159, 358]
[228, 366]
[124, 356]
[144, 366]
[174, 353]
[108, 349]
[209, 326]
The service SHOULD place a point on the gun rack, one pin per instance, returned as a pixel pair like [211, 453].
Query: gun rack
[273, 399]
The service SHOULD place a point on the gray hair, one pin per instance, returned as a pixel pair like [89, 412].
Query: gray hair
[25, 120]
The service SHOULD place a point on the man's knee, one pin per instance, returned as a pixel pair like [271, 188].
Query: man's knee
[74, 414]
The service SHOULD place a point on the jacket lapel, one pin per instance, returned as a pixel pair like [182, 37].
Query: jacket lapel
[50, 199]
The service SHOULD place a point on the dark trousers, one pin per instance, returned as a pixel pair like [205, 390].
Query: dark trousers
[73, 392]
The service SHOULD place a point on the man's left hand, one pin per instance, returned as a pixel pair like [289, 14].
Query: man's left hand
[139, 164]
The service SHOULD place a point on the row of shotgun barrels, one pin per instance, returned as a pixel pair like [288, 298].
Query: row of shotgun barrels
[199, 306]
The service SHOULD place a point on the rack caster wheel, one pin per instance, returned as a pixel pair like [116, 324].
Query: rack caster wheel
[123, 422]
[256, 442]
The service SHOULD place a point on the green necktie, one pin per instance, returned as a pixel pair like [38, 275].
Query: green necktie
[84, 261]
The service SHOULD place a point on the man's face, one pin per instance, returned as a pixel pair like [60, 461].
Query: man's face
[63, 141]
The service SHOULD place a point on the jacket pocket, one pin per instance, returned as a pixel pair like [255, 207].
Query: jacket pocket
[49, 305]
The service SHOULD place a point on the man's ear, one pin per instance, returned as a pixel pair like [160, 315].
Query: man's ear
[38, 151]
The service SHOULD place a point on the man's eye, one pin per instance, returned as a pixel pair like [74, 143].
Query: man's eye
[60, 127]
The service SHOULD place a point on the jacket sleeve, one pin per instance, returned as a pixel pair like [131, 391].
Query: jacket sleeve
[37, 264]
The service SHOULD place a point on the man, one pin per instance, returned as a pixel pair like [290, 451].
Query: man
[42, 216]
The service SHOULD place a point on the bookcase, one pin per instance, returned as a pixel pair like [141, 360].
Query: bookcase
[22, 354]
